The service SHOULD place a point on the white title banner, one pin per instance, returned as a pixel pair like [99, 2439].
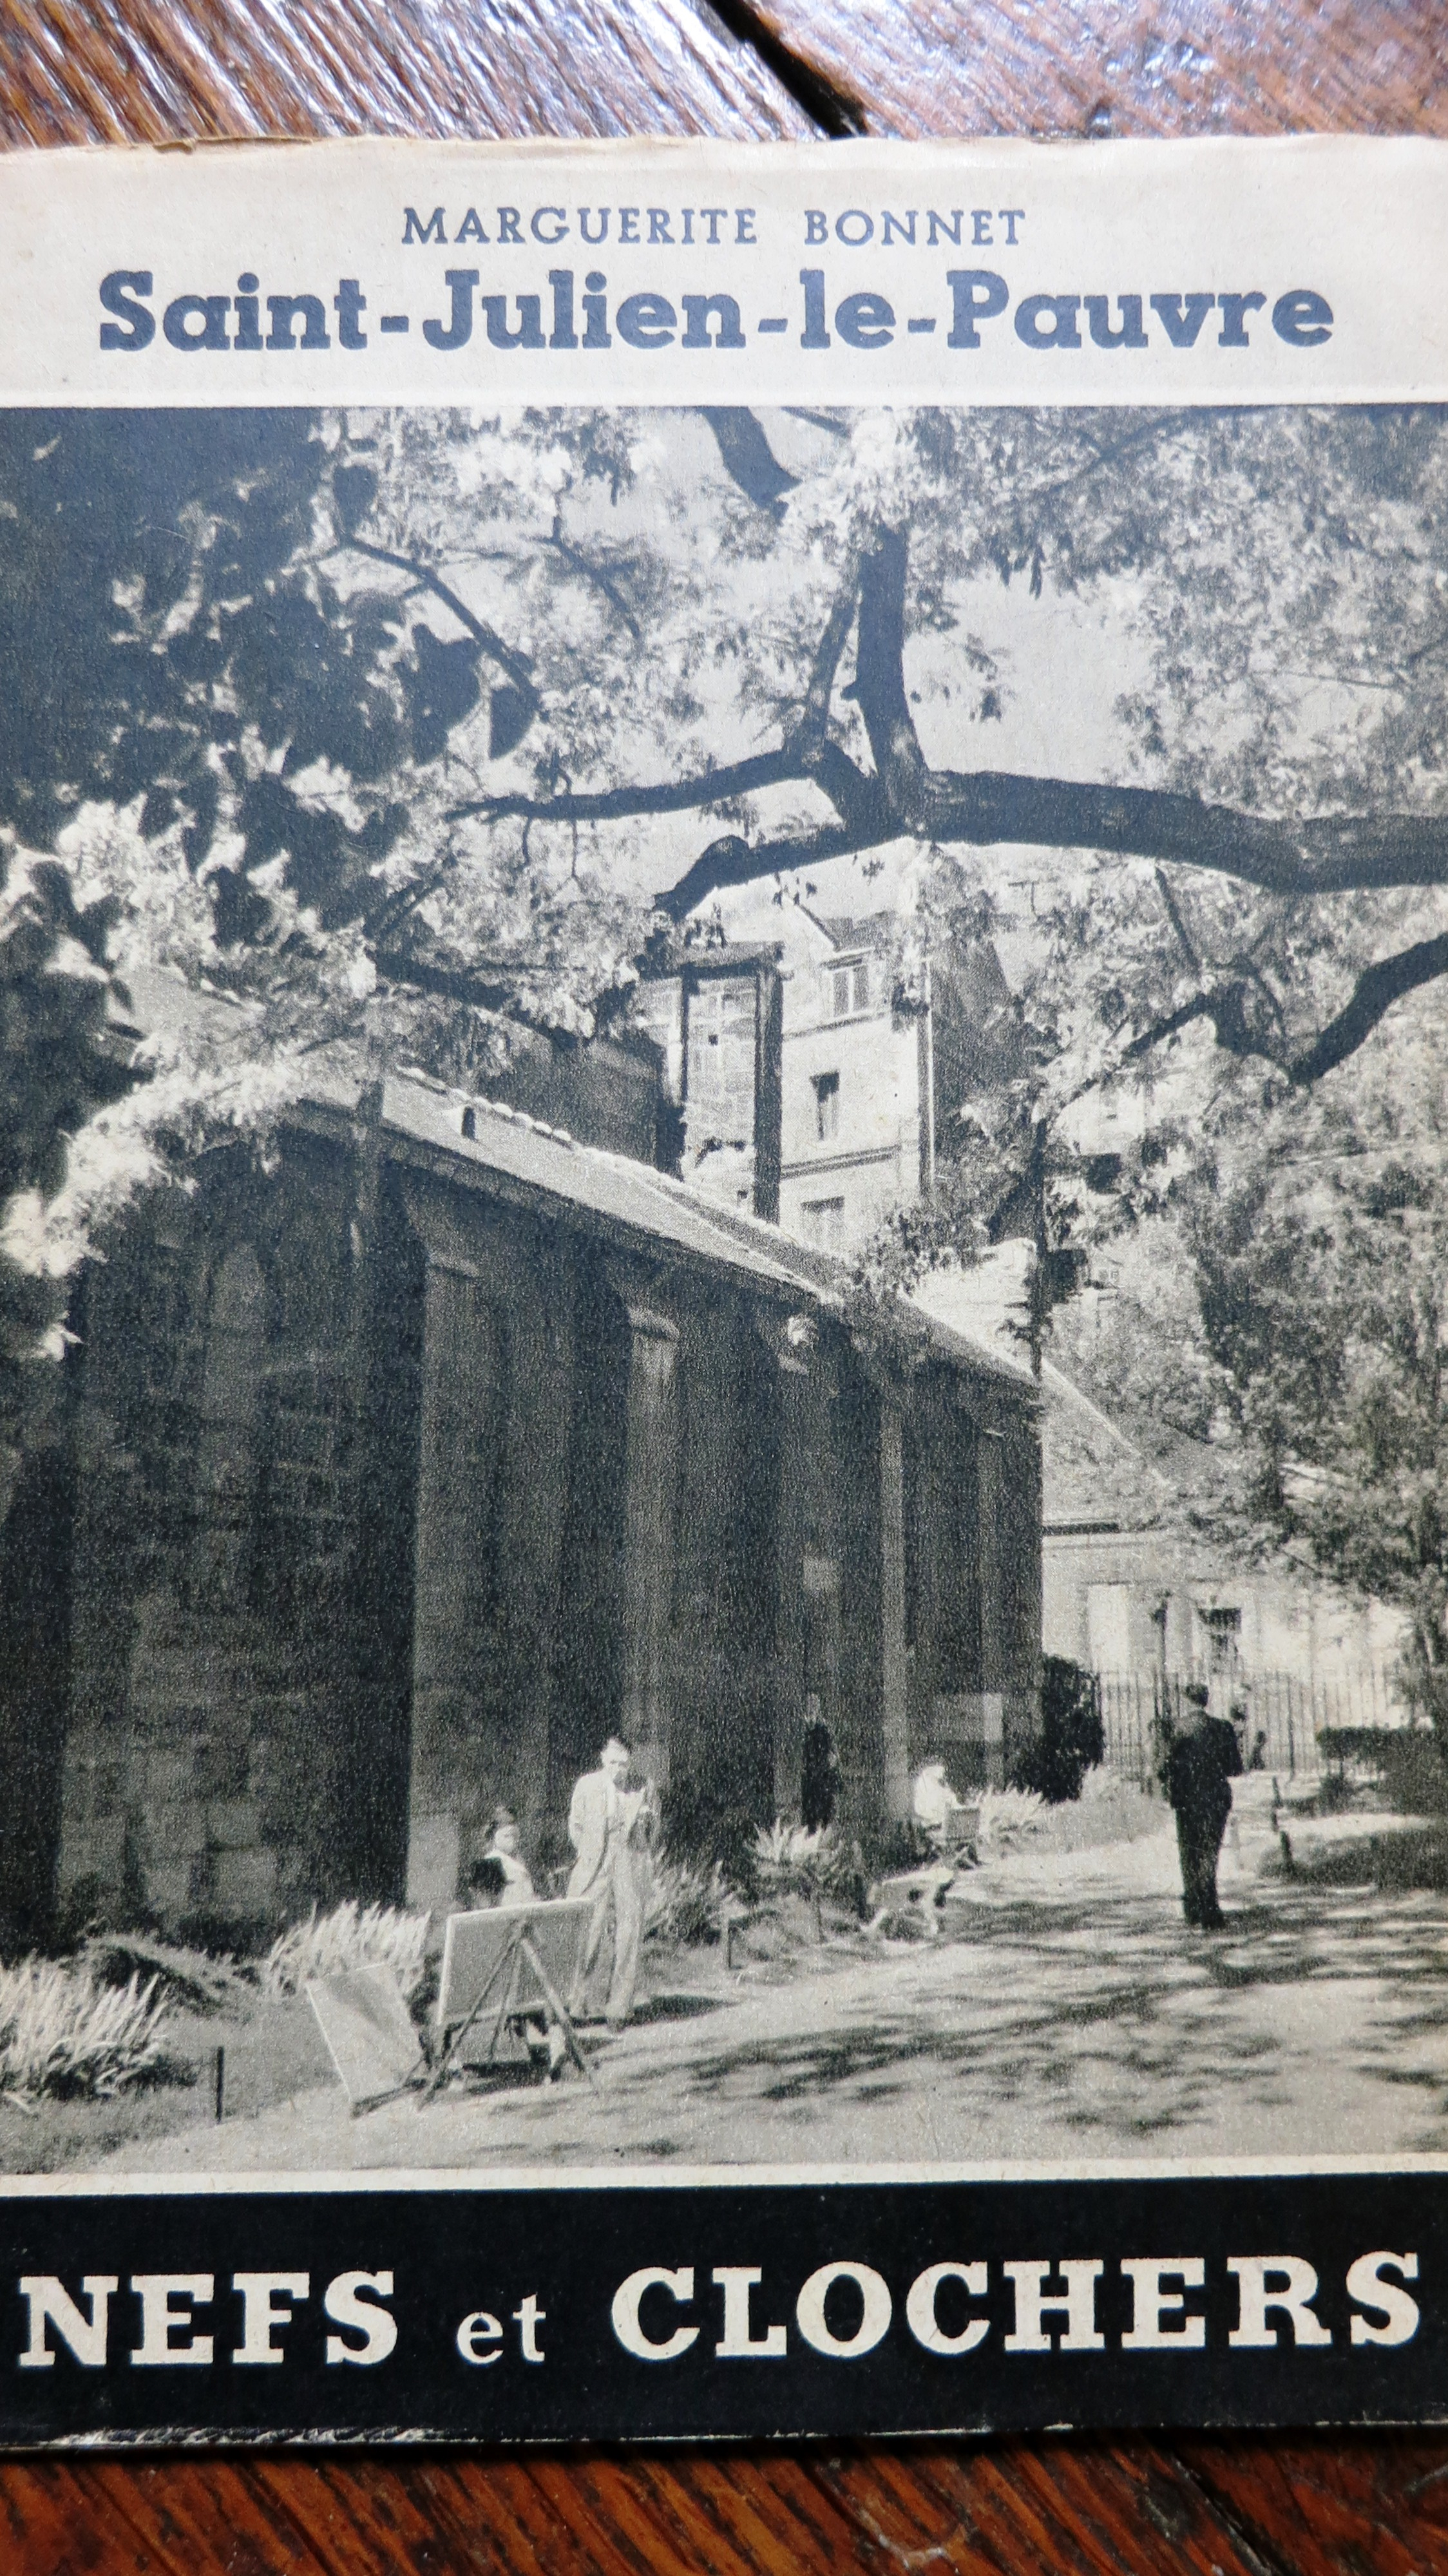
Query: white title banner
[1202, 272]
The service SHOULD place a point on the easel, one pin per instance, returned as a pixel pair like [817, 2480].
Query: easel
[518, 1951]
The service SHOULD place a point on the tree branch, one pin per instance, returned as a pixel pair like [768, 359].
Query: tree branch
[747, 456]
[485, 636]
[1388, 980]
[819, 420]
[665, 796]
[732, 861]
[1331, 854]
[594, 573]
[1175, 916]
[1376, 990]
[1198, 1008]
[859, 800]
[820, 689]
[880, 676]
[1324, 855]
[805, 753]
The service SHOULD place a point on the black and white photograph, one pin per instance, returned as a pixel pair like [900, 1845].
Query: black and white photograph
[723, 1205]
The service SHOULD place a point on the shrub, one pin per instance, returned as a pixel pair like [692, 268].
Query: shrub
[195, 1981]
[1072, 1738]
[62, 2033]
[351, 1936]
[701, 1827]
[688, 1902]
[1413, 1771]
[902, 1845]
[1370, 1745]
[799, 1860]
[1336, 1795]
[1110, 1809]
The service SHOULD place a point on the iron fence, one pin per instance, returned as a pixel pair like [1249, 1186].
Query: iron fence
[1287, 1712]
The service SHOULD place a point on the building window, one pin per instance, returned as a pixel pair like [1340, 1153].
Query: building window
[847, 988]
[824, 1222]
[827, 1105]
[1224, 1638]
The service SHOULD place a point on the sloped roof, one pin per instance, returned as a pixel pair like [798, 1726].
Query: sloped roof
[544, 1161]
[1105, 1471]
[518, 1155]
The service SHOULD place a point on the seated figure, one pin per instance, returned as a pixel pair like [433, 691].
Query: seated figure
[933, 1802]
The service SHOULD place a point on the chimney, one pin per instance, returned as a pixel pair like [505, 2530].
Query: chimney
[720, 1024]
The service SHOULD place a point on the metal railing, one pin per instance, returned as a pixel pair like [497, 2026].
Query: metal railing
[1289, 1711]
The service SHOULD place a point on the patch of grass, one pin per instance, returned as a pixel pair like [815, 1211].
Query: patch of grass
[65, 2034]
[351, 1936]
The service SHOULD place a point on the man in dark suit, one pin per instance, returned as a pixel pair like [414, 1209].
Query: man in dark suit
[1202, 1761]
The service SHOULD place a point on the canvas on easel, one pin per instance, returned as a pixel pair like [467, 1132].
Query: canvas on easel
[373, 2042]
[504, 1965]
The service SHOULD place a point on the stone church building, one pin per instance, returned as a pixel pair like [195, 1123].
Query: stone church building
[392, 1478]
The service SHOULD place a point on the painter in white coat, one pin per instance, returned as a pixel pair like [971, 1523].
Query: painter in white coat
[610, 1827]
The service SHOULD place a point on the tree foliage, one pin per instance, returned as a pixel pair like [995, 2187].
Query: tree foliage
[1276, 1335]
[367, 726]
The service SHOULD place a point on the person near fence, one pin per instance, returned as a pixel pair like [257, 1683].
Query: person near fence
[610, 1827]
[1202, 1760]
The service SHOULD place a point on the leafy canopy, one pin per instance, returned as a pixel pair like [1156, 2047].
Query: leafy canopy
[376, 724]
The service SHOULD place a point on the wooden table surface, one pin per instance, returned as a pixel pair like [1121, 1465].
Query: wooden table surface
[81, 71]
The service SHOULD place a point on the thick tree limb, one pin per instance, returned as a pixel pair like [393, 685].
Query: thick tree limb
[880, 675]
[1170, 1026]
[1331, 854]
[807, 752]
[1239, 1033]
[747, 456]
[1373, 995]
[732, 861]
[820, 689]
[858, 799]
[906, 798]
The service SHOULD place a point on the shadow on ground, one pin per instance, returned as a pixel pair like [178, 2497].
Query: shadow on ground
[1115, 2020]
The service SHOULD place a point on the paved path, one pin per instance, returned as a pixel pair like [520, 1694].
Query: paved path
[1075, 2017]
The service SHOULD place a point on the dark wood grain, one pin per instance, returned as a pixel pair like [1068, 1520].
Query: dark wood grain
[1086, 67]
[79, 71]
[1316, 2507]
